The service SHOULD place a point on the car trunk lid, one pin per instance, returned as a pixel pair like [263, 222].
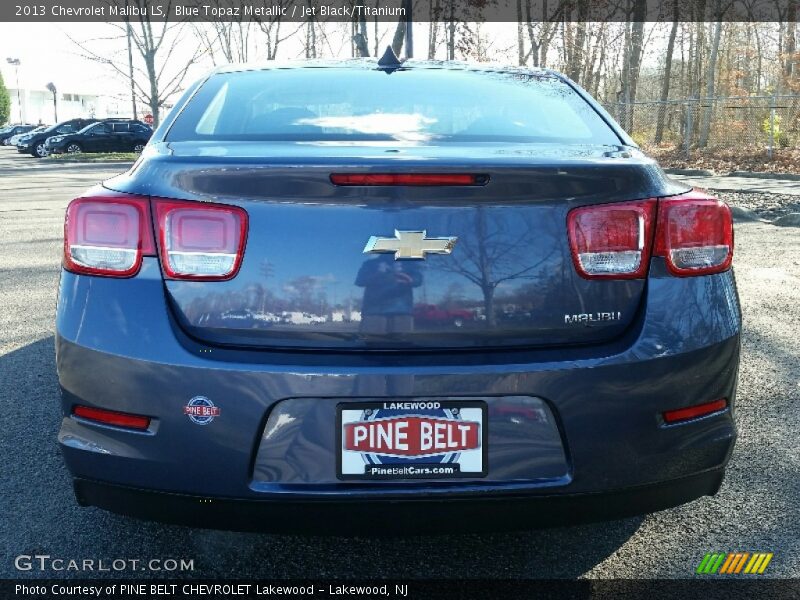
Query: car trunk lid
[307, 282]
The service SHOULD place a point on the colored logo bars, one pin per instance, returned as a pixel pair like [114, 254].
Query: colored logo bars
[734, 563]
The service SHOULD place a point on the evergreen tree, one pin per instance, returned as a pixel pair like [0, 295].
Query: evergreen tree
[5, 102]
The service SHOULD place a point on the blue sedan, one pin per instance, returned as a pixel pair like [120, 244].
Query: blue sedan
[395, 296]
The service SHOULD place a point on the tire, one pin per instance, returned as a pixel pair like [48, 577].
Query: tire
[73, 148]
[138, 148]
[458, 321]
[39, 150]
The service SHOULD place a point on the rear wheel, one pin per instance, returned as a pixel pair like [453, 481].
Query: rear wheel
[40, 150]
[74, 149]
[138, 148]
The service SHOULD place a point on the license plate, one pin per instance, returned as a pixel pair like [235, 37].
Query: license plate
[415, 439]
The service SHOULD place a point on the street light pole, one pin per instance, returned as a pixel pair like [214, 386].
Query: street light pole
[15, 62]
[50, 86]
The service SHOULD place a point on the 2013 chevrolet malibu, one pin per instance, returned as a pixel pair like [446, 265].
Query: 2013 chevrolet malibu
[241, 339]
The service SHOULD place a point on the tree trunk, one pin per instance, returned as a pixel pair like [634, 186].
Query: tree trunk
[433, 28]
[577, 54]
[360, 37]
[451, 33]
[531, 35]
[488, 305]
[399, 36]
[152, 76]
[791, 39]
[710, 70]
[665, 83]
[520, 35]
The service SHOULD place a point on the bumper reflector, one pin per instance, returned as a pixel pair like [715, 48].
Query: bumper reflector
[693, 412]
[110, 417]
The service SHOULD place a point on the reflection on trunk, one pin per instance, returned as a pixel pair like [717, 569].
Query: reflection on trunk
[492, 251]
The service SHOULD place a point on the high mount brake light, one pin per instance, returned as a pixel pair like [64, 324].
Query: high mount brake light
[107, 235]
[200, 241]
[410, 179]
[693, 232]
[612, 241]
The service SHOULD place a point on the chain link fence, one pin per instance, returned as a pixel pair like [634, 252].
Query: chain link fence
[765, 124]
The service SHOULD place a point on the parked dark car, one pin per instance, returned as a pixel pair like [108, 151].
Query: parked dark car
[35, 144]
[108, 135]
[365, 188]
[6, 133]
[14, 139]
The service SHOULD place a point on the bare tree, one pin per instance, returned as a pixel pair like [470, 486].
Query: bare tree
[156, 43]
[495, 252]
[667, 74]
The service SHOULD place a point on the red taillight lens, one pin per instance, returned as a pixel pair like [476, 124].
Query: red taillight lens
[695, 234]
[200, 241]
[694, 412]
[612, 240]
[107, 235]
[425, 179]
[110, 417]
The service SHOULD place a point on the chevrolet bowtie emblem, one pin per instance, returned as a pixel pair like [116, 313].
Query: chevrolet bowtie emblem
[410, 244]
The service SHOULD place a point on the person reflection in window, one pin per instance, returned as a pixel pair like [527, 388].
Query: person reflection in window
[388, 302]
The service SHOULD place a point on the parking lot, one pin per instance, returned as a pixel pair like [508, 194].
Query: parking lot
[756, 510]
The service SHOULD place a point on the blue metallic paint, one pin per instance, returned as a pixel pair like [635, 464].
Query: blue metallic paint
[132, 345]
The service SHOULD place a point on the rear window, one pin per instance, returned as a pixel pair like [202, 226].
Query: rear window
[417, 105]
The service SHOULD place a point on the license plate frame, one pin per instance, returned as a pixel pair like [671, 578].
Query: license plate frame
[440, 416]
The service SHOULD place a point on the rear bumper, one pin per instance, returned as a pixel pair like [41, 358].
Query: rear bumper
[340, 516]
[118, 348]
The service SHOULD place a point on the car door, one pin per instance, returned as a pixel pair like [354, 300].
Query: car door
[140, 135]
[121, 138]
[98, 138]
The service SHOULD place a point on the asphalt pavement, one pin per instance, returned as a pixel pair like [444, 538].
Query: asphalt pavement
[756, 510]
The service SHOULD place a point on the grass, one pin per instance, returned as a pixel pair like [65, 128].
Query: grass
[96, 157]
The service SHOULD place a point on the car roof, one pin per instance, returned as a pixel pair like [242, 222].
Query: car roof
[371, 64]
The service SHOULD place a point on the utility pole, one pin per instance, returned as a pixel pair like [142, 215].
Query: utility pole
[130, 67]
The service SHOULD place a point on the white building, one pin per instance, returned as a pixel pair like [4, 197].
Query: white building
[37, 106]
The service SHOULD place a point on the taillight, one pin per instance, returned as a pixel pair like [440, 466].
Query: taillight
[107, 235]
[200, 241]
[612, 240]
[695, 234]
[411, 179]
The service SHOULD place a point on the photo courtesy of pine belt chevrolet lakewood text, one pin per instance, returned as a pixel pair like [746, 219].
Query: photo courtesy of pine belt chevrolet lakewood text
[436, 294]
